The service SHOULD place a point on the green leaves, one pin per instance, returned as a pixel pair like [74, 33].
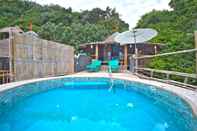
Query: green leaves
[176, 29]
[75, 34]
[56, 23]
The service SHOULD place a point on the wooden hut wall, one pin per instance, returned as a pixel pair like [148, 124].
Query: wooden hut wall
[90, 51]
[35, 58]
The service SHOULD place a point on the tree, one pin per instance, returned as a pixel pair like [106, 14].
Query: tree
[56, 23]
[176, 29]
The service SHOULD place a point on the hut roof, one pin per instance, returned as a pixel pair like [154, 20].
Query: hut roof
[109, 40]
[13, 29]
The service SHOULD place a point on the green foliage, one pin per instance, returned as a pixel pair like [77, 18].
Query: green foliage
[74, 34]
[176, 29]
[56, 23]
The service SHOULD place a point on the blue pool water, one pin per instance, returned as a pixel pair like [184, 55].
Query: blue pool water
[90, 106]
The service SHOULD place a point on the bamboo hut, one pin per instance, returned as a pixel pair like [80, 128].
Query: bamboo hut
[110, 49]
[26, 56]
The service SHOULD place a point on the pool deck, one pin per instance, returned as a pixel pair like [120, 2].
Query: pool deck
[188, 95]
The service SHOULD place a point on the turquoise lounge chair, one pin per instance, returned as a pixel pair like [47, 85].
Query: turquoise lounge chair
[94, 66]
[113, 66]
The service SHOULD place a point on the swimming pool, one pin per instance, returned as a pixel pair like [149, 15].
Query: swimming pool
[87, 104]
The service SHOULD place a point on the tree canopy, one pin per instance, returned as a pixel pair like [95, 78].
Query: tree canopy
[176, 30]
[53, 22]
[64, 25]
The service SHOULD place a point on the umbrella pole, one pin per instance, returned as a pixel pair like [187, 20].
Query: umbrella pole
[125, 57]
[96, 52]
[136, 60]
[136, 51]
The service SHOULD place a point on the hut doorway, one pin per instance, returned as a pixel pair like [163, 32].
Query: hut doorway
[109, 52]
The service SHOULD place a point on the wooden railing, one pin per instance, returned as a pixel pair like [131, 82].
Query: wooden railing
[167, 54]
[167, 73]
[5, 76]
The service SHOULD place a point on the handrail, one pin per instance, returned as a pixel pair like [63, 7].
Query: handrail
[166, 72]
[170, 72]
[184, 85]
[2, 71]
[166, 54]
[4, 76]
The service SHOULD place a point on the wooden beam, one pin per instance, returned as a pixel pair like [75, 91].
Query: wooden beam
[11, 54]
[97, 52]
[3, 75]
[4, 71]
[196, 48]
[13, 57]
[169, 72]
[125, 56]
[155, 48]
[136, 60]
[176, 83]
[166, 54]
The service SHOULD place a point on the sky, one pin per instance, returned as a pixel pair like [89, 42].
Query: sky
[130, 10]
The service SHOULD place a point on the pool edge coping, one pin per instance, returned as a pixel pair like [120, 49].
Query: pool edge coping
[188, 95]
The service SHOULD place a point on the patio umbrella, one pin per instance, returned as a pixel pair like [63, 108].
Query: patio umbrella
[136, 36]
